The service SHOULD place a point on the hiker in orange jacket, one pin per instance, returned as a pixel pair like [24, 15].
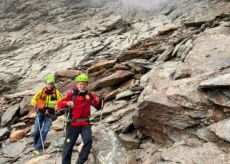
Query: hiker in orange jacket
[44, 102]
[79, 101]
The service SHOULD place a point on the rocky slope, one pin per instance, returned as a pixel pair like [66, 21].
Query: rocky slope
[165, 73]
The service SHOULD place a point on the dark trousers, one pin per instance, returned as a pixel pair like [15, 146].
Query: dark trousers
[70, 140]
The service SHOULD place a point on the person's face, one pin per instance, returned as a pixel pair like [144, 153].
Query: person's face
[49, 86]
[82, 86]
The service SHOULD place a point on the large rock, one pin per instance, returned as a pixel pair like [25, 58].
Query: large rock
[41, 159]
[221, 129]
[206, 135]
[67, 73]
[157, 116]
[100, 65]
[219, 96]
[132, 54]
[25, 105]
[18, 134]
[8, 117]
[185, 153]
[216, 41]
[58, 124]
[124, 95]
[185, 93]
[109, 23]
[220, 81]
[15, 149]
[113, 79]
[199, 15]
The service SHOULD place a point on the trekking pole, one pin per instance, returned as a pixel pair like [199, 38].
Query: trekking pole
[39, 127]
[67, 114]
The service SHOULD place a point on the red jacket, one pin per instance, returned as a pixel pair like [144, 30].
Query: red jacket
[81, 107]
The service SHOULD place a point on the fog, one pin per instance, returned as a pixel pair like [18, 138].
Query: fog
[135, 4]
[144, 4]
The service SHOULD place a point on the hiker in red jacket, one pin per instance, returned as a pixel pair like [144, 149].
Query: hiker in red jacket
[78, 101]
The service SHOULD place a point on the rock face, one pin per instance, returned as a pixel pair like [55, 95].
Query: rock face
[164, 75]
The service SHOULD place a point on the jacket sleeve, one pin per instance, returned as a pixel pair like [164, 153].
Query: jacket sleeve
[59, 95]
[96, 101]
[34, 98]
[62, 103]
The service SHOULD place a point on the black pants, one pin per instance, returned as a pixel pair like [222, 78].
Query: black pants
[70, 140]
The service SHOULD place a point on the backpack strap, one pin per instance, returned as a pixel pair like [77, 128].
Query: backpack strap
[74, 94]
[90, 97]
[69, 109]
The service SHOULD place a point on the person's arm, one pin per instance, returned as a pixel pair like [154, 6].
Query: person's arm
[34, 98]
[64, 101]
[96, 101]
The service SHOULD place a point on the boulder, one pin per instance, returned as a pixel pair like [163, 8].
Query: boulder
[155, 117]
[205, 153]
[14, 150]
[133, 54]
[58, 124]
[219, 81]
[18, 134]
[221, 129]
[124, 95]
[67, 73]
[40, 159]
[113, 79]
[9, 117]
[214, 40]
[219, 96]
[25, 105]
[101, 65]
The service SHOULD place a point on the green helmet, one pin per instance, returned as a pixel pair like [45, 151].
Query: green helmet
[82, 78]
[50, 79]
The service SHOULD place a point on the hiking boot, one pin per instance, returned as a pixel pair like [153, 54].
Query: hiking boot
[36, 152]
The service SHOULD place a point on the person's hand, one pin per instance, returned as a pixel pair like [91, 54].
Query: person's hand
[47, 112]
[70, 104]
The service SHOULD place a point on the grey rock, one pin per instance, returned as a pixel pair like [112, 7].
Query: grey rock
[129, 141]
[221, 129]
[4, 133]
[206, 135]
[216, 41]
[14, 149]
[218, 97]
[8, 117]
[25, 105]
[124, 95]
[220, 81]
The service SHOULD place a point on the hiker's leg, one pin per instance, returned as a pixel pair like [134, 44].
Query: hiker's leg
[70, 140]
[86, 135]
[38, 121]
[46, 126]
